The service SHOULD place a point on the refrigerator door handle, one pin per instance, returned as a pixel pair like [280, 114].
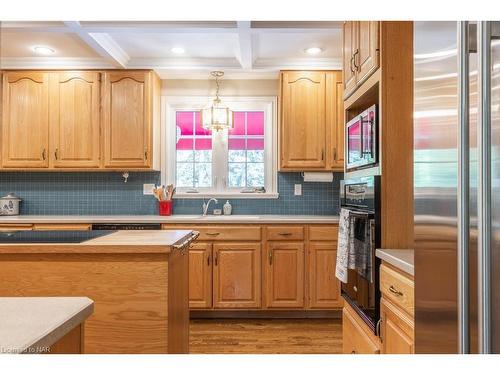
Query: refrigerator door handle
[463, 188]
[484, 187]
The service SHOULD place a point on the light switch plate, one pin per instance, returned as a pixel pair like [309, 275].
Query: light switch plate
[147, 189]
[298, 189]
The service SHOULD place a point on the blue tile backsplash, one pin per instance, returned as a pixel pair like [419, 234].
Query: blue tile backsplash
[105, 193]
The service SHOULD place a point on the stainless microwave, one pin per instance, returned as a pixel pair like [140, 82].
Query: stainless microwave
[362, 140]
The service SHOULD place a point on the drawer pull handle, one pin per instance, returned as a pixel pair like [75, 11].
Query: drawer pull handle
[353, 352]
[395, 291]
[285, 234]
[213, 233]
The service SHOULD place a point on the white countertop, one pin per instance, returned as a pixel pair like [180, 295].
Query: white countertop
[31, 324]
[399, 258]
[174, 219]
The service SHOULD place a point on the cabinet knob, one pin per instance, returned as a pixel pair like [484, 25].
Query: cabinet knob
[146, 154]
[393, 290]
[270, 256]
[335, 153]
[56, 156]
[44, 155]
[356, 53]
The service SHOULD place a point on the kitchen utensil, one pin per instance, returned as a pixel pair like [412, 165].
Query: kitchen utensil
[9, 205]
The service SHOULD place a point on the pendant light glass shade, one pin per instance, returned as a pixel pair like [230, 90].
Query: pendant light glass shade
[216, 116]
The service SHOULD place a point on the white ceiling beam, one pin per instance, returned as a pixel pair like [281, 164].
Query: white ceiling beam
[244, 54]
[103, 44]
[180, 63]
[299, 63]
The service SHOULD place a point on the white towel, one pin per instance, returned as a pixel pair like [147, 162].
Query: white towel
[345, 259]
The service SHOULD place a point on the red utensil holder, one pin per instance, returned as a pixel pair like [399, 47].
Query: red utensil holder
[165, 208]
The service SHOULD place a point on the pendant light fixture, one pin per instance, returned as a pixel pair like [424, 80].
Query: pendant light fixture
[216, 116]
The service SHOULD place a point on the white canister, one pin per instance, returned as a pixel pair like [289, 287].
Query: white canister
[9, 205]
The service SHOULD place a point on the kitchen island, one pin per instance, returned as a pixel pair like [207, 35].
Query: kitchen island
[138, 281]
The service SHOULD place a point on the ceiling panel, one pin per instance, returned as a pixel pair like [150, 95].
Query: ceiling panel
[292, 45]
[20, 44]
[196, 45]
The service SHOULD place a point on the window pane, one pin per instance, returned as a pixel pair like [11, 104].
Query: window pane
[184, 144]
[185, 156]
[236, 175]
[198, 128]
[185, 174]
[203, 156]
[203, 144]
[203, 174]
[255, 174]
[236, 144]
[254, 156]
[236, 156]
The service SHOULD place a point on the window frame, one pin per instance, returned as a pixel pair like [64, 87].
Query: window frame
[267, 104]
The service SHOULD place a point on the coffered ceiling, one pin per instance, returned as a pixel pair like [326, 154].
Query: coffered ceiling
[243, 49]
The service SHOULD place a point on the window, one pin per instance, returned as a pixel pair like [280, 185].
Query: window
[239, 163]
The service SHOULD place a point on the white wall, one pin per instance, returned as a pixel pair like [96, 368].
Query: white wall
[230, 87]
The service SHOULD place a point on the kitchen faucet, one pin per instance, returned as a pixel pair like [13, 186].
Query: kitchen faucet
[205, 205]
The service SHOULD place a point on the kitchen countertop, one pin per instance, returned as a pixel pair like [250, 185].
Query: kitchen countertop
[399, 258]
[32, 324]
[121, 241]
[174, 219]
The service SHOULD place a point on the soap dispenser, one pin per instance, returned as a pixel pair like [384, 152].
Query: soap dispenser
[227, 208]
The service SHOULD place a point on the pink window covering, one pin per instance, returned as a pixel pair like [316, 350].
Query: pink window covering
[255, 123]
[189, 123]
[255, 144]
[239, 124]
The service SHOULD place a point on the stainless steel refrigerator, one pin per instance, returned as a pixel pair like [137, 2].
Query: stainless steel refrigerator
[457, 187]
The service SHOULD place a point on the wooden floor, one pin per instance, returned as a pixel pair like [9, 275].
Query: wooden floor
[266, 336]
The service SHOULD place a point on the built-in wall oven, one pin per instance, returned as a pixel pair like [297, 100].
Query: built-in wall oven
[361, 196]
[362, 140]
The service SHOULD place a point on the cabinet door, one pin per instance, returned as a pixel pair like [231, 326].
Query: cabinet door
[285, 274]
[397, 330]
[335, 120]
[367, 58]
[303, 137]
[200, 276]
[237, 278]
[355, 339]
[349, 46]
[127, 119]
[74, 119]
[324, 287]
[25, 128]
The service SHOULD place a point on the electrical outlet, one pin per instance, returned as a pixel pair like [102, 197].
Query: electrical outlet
[298, 189]
[147, 189]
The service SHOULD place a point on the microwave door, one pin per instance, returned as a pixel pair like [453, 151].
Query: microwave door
[354, 141]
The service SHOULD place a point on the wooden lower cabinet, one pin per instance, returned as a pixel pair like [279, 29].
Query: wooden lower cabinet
[285, 274]
[237, 277]
[397, 329]
[324, 287]
[200, 276]
[356, 338]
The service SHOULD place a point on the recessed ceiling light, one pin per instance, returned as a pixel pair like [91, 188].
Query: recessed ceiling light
[313, 50]
[42, 50]
[178, 50]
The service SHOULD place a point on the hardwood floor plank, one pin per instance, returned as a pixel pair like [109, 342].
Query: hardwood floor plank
[266, 336]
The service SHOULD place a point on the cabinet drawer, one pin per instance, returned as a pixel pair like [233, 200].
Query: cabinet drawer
[324, 233]
[15, 227]
[62, 227]
[285, 233]
[218, 233]
[397, 288]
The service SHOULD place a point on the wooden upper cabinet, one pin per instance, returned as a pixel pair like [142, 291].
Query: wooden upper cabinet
[366, 60]
[285, 274]
[335, 121]
[237, 277]
[25, 120]
[303, 121]
[74, 119]
[360, 52]
[397, 330]
[128, 117]
[200, 275]
[349, 47]
[324, 287]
